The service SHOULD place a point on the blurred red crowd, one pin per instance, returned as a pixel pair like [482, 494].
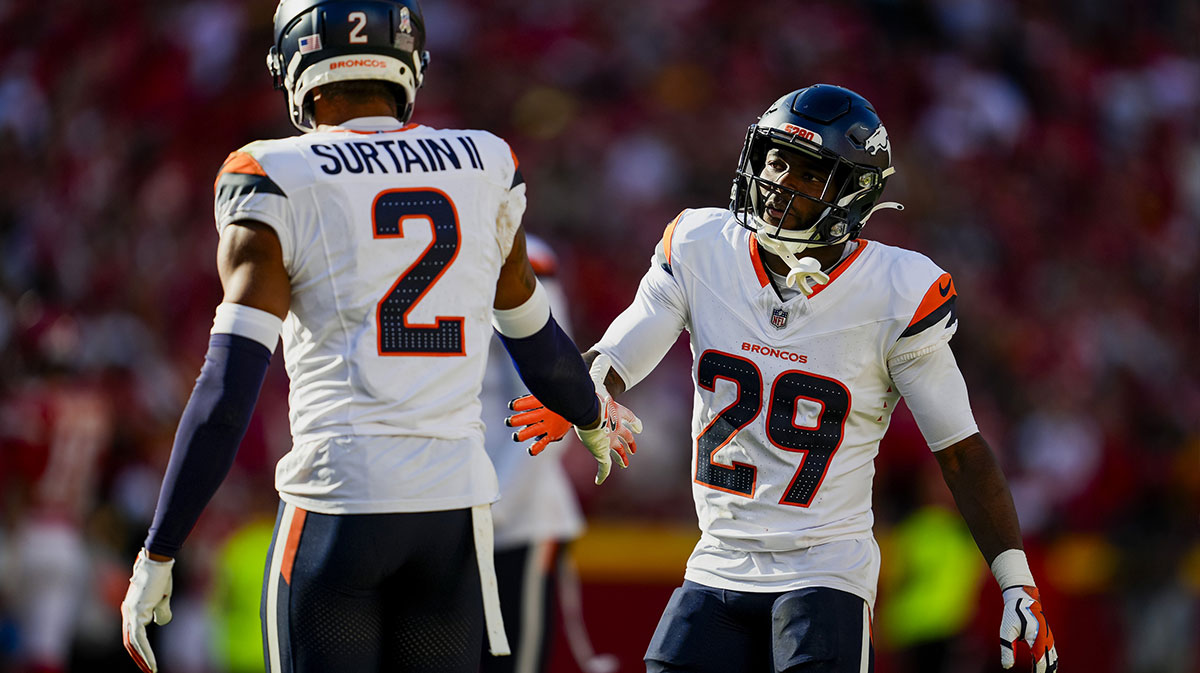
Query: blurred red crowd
[1048, 156]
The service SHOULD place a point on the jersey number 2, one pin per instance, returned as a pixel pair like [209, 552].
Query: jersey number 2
[817, 443]
[398, 336]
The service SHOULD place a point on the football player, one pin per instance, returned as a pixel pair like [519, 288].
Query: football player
[384, 251]
[805, 337]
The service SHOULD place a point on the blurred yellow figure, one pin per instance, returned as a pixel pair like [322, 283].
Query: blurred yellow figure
[932, 579]
[237, 592]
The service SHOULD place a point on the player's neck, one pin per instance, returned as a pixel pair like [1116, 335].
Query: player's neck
[334, 112]
[826, 255]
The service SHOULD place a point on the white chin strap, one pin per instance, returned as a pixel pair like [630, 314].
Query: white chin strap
[801, 269]
[886, 205]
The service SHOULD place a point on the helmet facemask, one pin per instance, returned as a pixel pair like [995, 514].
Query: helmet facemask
[849, 190]
[832, 135]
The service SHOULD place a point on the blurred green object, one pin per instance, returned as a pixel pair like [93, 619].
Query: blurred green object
[931, 576]
[234, 603]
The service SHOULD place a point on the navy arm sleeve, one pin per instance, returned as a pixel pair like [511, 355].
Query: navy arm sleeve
[552, 369]
[210, 430]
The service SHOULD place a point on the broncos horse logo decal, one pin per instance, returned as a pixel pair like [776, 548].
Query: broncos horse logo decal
[878, 141]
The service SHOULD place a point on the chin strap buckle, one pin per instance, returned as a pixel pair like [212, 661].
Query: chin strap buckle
[800, 270]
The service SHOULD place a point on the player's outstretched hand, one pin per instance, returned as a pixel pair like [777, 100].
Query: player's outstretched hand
[149, 596]
[1023, 620]
[617, 425]
[613, 434]
[540, 424]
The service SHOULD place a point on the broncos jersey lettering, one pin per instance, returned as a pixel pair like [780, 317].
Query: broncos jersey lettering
[393, 237]
[791, 397]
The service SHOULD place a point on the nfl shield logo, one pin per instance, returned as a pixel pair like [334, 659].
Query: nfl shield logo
[779, 318]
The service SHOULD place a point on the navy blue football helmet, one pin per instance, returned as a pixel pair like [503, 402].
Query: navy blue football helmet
[838, 127]
[322, 41]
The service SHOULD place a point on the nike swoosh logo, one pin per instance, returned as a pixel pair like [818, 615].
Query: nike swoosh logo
[944, 289]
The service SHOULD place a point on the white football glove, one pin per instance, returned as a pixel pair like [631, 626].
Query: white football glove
[1023, 619]
[149, 595]
[617, 425]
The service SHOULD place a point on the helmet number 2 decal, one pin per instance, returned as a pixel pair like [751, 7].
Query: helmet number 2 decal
[397, 335]
[816, 442]
[359, 19]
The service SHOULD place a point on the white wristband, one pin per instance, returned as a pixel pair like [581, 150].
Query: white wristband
[1011, 569]
[249, 322]
[526, 319]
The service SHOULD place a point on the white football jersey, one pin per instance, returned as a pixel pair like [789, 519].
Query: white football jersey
[791, 397]
[393, 238]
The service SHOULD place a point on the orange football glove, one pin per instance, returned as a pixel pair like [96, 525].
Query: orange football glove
[540, 424]
[614, 434]
[1023, 619]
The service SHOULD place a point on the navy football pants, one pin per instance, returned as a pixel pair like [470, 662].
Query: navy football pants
[372, 592]
[814, 630]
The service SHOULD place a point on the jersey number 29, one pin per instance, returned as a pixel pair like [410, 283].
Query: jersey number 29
[817, 443]
[397, 335]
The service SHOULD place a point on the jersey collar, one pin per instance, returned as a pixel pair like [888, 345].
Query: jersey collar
[842, 266]
[368, 125]
[838, 269]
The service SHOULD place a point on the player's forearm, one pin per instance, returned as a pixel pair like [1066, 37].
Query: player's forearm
[981, 493]
[546, 359]
[206, 441]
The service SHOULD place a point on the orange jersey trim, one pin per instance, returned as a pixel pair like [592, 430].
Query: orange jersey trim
[756, 260]
[668, 233]
[939, 293]
[841, 267]
[241, 163]
[293, 543]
